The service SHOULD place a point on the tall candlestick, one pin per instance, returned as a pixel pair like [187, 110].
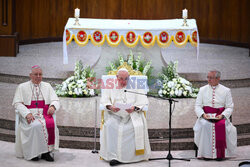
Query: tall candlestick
[77, 12]
[184, 16]
[184, 13]
[77, 15]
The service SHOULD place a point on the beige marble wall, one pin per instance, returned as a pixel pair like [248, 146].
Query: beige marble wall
[80, 112]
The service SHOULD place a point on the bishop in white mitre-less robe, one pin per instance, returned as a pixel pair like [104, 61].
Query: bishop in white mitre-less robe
[124, 136]
[205, 135]
[41, 135]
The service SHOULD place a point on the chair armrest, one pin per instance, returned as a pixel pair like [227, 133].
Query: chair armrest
[145, 108]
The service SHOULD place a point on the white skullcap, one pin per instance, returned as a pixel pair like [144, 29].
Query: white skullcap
[122, 69]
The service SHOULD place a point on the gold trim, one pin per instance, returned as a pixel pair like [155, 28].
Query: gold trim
[102, 120]
[139, 152]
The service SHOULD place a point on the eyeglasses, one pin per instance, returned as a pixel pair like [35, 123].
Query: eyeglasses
[122, 79]
[38, 74]
[211, 77]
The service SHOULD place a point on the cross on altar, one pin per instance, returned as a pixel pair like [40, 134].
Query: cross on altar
[114, 36]
[148, 37]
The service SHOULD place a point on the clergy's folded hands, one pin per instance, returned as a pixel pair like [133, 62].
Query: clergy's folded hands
[130, 110]
[219, 117]
[112, 108]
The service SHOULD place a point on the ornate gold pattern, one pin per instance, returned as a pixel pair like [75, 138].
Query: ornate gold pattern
[128, 67]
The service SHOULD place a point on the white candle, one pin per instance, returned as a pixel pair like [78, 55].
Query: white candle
[77, 12]
[184, 13]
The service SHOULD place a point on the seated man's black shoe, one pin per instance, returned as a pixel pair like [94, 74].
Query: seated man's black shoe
[114, 162]
[47, 157]
[219, 159]
[35, 159]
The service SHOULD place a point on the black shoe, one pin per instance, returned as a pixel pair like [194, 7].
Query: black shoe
[47, 157]
[114, 162]
[35, 159]
[219, 159]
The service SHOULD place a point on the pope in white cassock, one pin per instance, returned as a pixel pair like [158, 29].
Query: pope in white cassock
[37, 133]
[215, 136]
[124, 134]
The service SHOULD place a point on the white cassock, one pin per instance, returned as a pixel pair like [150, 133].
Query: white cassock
[216, 97]
[32, 139]
[124, 136]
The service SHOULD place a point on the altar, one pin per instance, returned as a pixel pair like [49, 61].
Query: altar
[130, 32]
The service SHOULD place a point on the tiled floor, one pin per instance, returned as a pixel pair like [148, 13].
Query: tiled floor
[84, 158]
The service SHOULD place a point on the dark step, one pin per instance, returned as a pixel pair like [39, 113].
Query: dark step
[156, 144]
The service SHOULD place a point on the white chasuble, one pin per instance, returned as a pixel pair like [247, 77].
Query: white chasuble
[204, 131]
[124, 136]
[32, 139]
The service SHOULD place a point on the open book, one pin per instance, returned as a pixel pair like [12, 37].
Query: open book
[212, 116]
[123, 106]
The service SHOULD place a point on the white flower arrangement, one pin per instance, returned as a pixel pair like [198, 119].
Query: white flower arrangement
[77, 85]
[173, 85]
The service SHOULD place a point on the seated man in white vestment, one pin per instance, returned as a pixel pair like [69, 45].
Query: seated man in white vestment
[214, 134]
[37, 133]
[124, 134]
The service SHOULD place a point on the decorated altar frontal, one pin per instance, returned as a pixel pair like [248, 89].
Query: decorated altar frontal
[130, 32]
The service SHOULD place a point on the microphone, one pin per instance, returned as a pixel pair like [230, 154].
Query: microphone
[164, 98]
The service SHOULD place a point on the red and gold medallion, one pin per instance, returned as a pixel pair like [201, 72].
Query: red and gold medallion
[67, 35]
[113, 36]
[97, 36]
[194, 36]
[180, 37]
[147, 37]
[130, 37]
[81, 36]
[163, 37]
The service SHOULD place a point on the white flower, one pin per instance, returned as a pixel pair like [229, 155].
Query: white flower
[112, 66]
[171, 84]
[146, 68]
[188, 88]
[70, 92]
[69, 79]
[64, 86]
[160, 92]
[185, 93]
[171, 92]
[76, 91]
[85, 92]
[176, 92]
[121, 60]
[131, 58]
[164, 92]
[137, 62]
[92, 92]
[179, 92]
